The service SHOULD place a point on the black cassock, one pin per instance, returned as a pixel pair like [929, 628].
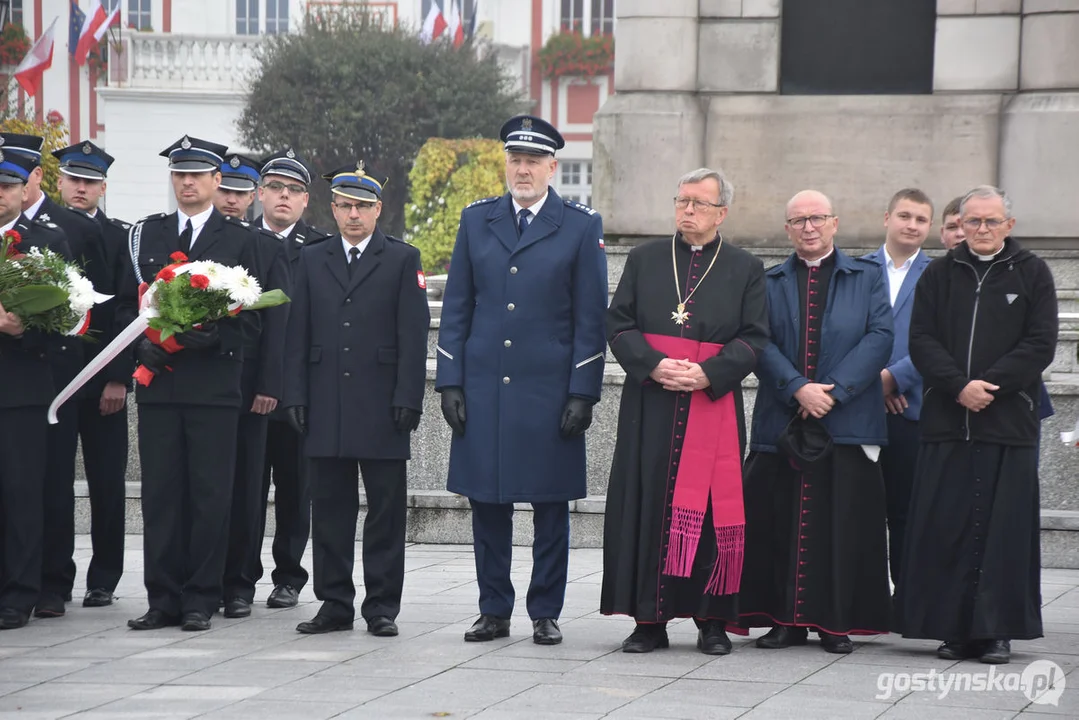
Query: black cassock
[727, 308]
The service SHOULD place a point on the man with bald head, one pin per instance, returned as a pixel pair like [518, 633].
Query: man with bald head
[816, 554]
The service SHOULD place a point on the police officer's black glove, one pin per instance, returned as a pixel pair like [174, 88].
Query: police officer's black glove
[453, 408]
[576, 417]
[297, 418]
[405, 419]
[151, 356]
[203, 338]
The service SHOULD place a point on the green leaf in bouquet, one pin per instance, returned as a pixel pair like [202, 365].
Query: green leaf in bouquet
[32, 300]
[269, 299]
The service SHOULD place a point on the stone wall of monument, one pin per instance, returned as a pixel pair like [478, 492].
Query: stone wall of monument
[698, 83]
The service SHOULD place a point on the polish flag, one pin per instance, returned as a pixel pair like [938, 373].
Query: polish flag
[456, 27]
[96, 19]
[433, 25]
[36, 62]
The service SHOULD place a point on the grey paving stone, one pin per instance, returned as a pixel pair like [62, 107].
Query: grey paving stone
[66, 698]
[544, 698]
[808, 703]
[701, 699]
[912, 712]
[262, 709]
[454, 691]
[496, 714]
[751, 664]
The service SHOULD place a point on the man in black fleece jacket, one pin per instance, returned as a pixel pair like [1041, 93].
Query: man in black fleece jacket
[983, 328]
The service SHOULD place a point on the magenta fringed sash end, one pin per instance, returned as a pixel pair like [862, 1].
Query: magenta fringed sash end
[727, 573]
[682, 545]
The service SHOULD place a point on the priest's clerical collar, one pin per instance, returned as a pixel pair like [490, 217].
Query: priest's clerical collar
[985, 258]
[698, 248]
[818, 261]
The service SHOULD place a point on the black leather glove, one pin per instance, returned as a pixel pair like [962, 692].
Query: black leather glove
[151, 356]
[203, 338]
[406, 419]
[577, 417]
[453, 408]
[297, 418]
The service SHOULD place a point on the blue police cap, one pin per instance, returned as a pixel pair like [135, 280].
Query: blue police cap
[189, 154]
[287, 164]
[532, 135]
[357, 181]
[239, 173]
[26, 145]
[84, 160]
[15, 167]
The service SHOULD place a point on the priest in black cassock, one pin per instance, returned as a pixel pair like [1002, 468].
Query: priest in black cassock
[983, 328]
[816, 552]
[687, 323]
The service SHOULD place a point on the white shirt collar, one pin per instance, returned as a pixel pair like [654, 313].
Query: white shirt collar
[362, 245]
[284, 233]
[197, 222]
[890, 264]
[32, 211]
[534, 209]
[986, 258]
[818, 261]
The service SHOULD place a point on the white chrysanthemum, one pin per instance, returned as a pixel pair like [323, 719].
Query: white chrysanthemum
[241, 287]
[80, 292]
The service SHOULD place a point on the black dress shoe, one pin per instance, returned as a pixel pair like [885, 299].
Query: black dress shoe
[488, 627]
[50, 605]
[237, 608]
[782, 636]
[283, 596]
[712, 639]
[646, 638]
[11, 619]
[154, 620]
[957, 650]
[195, 621]
[838, 644]
[322, 624]
[382, 626]
[97, 597]
[997, 652]
[545, 631]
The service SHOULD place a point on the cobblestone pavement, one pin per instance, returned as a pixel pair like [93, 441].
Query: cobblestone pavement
[89, 665]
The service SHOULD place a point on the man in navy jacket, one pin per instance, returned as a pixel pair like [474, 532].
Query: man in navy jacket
[907, 224]
[815, 526]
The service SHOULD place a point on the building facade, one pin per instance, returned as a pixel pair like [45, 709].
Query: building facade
[182, 66]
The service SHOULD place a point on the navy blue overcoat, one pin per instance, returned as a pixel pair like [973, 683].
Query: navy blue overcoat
[522, 329]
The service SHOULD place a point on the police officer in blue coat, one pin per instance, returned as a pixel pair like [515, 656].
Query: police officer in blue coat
[356, 370]
[520, 365]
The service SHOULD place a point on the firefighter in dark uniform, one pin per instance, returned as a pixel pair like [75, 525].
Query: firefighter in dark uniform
[355, 373]
[263, 364]
[28, 388]
[88, 247]
[102, 404]
[188, 414]
[283, 194]
[520, 356]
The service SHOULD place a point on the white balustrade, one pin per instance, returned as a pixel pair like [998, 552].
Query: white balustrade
[189, 62]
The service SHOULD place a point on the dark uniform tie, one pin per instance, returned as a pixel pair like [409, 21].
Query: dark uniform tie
[185, 238]
[522, 221]
[353, 258]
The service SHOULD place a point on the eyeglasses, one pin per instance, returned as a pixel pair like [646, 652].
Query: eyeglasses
[280, 187]
[347, 208]
[683, 202]
[975, 224]
[816, 221]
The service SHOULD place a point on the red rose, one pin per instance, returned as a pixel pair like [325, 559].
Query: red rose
[13, 236]
[200, 282]
[166, 274]
[178, 257]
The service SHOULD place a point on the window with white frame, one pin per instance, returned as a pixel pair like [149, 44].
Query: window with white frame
[138, 15]
[249, 20]
[575, 180]
[589, 17]
[16, 12]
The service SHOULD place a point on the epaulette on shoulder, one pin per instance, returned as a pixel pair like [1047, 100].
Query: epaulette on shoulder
[244, 223]
[45, 223]
[155, 216]
[320, 233]
[399, 240]
[483, 201]
[125, 226]
[578, 206]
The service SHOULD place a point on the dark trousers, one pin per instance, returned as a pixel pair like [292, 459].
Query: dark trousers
[897, 462]
[334, 509]
[188, 456]
[246, 523]
[492, 541]
[57, 560]
[104, 457]
[288, 469]
[23, 443]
